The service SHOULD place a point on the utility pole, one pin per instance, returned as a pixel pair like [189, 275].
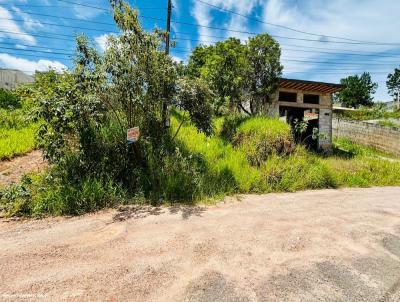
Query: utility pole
[168, 27]
[165, 115]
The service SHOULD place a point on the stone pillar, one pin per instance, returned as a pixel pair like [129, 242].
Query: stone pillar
[325, 130]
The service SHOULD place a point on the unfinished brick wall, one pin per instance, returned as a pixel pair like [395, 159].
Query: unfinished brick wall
[381, 137]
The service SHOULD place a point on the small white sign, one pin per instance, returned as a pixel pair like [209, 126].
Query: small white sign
[132, 135]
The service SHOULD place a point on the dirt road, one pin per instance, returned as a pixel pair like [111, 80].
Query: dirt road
[332, 245]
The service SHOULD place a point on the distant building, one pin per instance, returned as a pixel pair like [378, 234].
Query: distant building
[11, 78]
[299, 100]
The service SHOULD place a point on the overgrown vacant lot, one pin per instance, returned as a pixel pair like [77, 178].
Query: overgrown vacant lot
[281, 168]
[245, 155]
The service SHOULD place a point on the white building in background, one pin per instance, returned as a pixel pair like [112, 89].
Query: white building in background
[11, 78]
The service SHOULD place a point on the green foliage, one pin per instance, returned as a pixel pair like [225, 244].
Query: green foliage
[194, 96]
[198, 59]
[302, 170]
[227, 126]
[393, 84]
[43, 194]
[358, 90]
[264, 72]
[237, 72]
[389, 123]
[262, 137]
[203, 167]
[226, 169]
[8, 99]
[353, 149]
[84, 115]
[224, 70]
[17, 130]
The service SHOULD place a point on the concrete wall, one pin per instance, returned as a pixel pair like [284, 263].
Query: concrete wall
[380, 137]
[325, 129]
[10, 78]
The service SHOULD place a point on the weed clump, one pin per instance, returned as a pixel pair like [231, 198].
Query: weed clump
[261, 137]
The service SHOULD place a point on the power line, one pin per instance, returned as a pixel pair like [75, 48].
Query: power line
[187, 51]
[112, 24]
[55, 24]
[242, 32]
[335, 63]
[34, 50]
[59, 6]
[33, 46]
[290, 38]
[278, 25]
[40, 35]
[347, 51]
[85, 5]
[31, 55]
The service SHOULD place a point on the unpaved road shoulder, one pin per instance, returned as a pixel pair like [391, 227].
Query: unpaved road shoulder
[331, 245]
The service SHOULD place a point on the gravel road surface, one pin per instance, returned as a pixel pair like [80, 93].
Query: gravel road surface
[330, 245]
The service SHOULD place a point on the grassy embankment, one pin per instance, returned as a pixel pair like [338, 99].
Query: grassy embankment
[351, 165]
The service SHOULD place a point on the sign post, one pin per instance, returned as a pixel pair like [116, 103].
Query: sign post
[132, 135]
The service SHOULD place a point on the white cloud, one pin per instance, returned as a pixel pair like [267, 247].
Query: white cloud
[86, 12]
[29, 22]
[27, 66]
[19, 46]
[10, 29]
[102, 41]
[177, 59]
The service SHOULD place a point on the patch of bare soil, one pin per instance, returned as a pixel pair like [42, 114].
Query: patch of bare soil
[331, 245]
[12, 170]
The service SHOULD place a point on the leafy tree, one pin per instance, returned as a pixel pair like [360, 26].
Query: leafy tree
[358, 90]
[194, 96]
[239, 73]
[88, 110]
[393, 85]
[223, 67]
[198, 59]
[264, 72]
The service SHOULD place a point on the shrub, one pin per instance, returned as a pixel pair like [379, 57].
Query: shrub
[44, 194]
[262, 137]
[8, 100]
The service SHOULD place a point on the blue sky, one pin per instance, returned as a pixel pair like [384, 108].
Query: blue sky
[31, 40]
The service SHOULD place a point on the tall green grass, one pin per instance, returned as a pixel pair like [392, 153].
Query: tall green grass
[260, 137]
[17, 141]
[227, 169]
[293, 170]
